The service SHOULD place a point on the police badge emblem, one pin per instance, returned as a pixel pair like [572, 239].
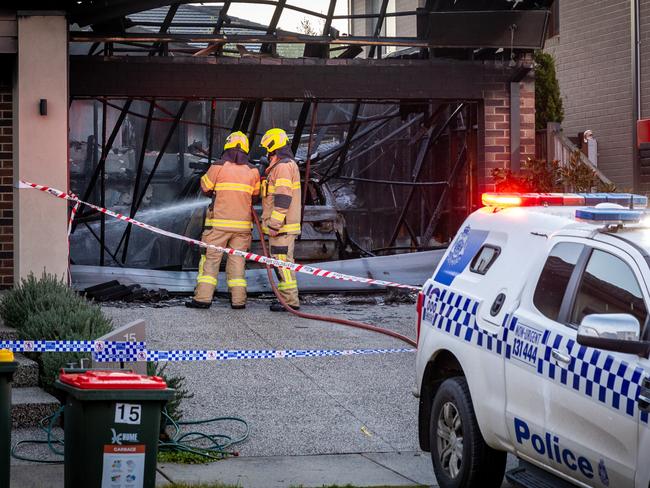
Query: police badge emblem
[459, 246]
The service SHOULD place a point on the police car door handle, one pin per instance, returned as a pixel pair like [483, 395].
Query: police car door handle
[560, 357]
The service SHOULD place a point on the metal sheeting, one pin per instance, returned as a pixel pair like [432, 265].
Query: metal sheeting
[412, 268]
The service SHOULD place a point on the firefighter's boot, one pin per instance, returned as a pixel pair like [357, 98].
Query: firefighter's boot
[282, 247]
[236, 270]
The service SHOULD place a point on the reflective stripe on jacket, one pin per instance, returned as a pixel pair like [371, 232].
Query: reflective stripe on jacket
[233, 187]
[282, 198]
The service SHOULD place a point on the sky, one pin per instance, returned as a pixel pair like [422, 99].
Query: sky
[290, 18]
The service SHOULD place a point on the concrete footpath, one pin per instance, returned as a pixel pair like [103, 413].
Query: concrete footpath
[370, 469]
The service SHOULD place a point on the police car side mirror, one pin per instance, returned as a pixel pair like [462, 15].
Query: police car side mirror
[613, 332]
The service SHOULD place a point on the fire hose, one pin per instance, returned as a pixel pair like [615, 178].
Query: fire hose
[321, 318]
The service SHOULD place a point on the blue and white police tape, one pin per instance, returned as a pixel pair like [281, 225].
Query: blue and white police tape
[71, 346]
[115, 351]
[229, 355]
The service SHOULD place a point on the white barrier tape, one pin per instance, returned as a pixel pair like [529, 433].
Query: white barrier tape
[73, 214]
[299, 268]
[114, 351]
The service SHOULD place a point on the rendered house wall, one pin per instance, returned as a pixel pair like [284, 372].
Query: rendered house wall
[41, 144]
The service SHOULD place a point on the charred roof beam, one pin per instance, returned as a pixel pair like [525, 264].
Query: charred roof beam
[201, 78]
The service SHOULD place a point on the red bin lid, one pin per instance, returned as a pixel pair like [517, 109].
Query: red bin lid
[112, 380]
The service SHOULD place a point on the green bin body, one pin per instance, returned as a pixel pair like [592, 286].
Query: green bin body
[7, 369]
[111, 434]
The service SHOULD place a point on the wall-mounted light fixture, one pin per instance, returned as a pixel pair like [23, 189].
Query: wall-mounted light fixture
[42, 106]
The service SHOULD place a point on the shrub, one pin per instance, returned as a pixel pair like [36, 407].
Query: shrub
[537, 175]
[47, 309]
[31, 295]
[78, 321]
[579, 177]
[177, 383]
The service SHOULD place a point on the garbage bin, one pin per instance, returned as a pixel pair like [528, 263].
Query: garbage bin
[7, 368]
[111, 428]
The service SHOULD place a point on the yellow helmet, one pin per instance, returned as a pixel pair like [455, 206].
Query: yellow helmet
[237, 139]
[274, 139]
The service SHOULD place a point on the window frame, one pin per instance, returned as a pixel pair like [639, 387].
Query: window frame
[559, 319]
[492, 261]
[571, 295]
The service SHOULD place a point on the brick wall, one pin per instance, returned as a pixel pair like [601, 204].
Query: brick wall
[6, 179]
[593, 57]
[406, 26]
[645, 58]
[494, 137]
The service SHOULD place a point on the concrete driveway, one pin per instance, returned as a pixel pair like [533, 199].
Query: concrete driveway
[360, 405]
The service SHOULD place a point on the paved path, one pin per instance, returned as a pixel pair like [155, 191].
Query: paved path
[369, 469]
[363, 470]
[356, 404]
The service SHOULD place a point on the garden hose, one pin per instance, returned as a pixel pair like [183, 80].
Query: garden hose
[51, 440]
[210, 446]
[322, 318]
[213, 445]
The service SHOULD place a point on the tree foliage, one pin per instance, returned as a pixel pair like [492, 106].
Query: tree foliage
[548, 101]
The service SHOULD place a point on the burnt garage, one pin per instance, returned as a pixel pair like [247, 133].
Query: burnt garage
[126, 103]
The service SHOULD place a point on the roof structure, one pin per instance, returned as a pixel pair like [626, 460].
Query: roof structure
[194, 19]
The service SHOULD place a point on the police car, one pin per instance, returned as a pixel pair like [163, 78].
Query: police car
[533, 339]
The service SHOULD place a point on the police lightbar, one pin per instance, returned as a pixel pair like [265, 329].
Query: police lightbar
[609, 216]
[562, 199]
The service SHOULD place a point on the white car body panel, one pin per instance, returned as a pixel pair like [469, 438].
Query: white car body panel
[574, 421]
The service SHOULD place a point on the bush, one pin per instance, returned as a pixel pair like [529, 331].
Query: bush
[78, 321]
[47, 309]
[579, 177]
[31, 295]
[177, 383]
[537, 175]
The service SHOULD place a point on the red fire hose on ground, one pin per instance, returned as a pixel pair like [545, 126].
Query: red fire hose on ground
[321, 318]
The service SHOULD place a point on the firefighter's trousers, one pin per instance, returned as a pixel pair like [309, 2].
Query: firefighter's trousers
[282, 248]
[235, 267]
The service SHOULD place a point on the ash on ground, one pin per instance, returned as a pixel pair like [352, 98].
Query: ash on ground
[165, 300]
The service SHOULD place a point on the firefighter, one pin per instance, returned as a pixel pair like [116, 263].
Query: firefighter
[281, 211]
[233, 183]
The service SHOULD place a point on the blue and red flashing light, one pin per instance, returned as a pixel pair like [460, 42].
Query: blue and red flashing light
[563, 199]
[599, 208]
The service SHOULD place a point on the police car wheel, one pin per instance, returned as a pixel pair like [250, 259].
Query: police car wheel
[461, 458]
